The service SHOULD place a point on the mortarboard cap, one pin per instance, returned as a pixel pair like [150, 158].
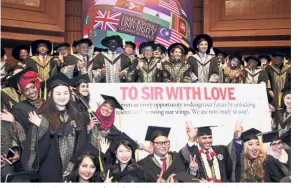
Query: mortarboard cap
[59, 79]
[185, 177]
[79, 79]
[113, 101]
[267, 57]
[201, 37]
[278, 55]
[16, 51]
[270, 136]
[14, 80]
[204, 130]
[22, 177]
[247, 59]
[82, 41]
[41, 41]
[131, 43]
[161, 48]
[185, 49]
[66, 44]
[117, 38]
[147, 44]
[250, 134]
[153, 132]
[86, 148]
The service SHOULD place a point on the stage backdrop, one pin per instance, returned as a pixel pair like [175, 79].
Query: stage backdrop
[171, 105]
[162, 21]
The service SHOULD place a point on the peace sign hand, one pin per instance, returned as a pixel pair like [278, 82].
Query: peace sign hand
[160, 178]
[191, 131]
[193, 163]
[238, 129]
[108, 179]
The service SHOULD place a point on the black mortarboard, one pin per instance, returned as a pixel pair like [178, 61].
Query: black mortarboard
[265, 57]
[79, 79]
[16, 51]
[66, 44]
[286, 137]
[146, 44]
[113, 101]
[253, 58]
[178, 44]
[204, 130]
[13, 80]
[185, 177]
[96, 49]
[218, 51]
[117, 38]
[135, 174]
[37, 42]
[25, 176]
[161, 48]
[153, 132]
[199, 38]
[288, 56]
[82, 41]
[86, 148]
[278, 55]
[57, 80]
[270, 136]
[2, 52]
[131, 43]
[250, 134]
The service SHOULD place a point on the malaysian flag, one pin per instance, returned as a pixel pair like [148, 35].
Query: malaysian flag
[170, 5]
[106, 20]
[167, 37]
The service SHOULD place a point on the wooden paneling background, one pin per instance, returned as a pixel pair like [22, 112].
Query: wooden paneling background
[73, 20]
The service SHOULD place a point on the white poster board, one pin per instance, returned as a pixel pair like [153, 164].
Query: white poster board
[172, 104]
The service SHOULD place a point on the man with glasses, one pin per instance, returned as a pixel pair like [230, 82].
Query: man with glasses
[162, 164]
[207, 162]
[148, 68]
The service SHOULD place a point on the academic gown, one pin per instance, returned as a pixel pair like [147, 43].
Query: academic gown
[205, 71]
[176, 72]
[148, 72]
[282, 121]
[55, 150]
[9, 98]
[70, 68]
[224, 160]
[152, 170]
[127, 175]
[44, 69]
[113, 67]
[277, 77]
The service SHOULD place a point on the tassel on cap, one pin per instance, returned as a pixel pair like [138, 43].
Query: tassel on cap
[121, 121]
[52, 49]
[30, 53]
[45, 91]
[71, 50]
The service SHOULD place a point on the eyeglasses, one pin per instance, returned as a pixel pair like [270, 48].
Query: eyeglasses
[276, 143]
[166, 143]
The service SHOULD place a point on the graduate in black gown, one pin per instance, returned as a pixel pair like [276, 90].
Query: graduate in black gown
[251, 163]
[61, 131]
[205, 161]
[162, 164]
[21, 54]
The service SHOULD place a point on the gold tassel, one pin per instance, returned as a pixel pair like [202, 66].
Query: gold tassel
[137, 155]
[280, 100]
[6, 178]
[52, 52]
[30, 53]
[71, 50]
[100, 163]
[45, 91]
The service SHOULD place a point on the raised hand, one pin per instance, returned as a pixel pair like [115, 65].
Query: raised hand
[238, 129]
[160, 178]
[193, 163]
[7, 116]
[93, 122]
[108, 179]
[191, 131]
[104, 144]
[34, 118]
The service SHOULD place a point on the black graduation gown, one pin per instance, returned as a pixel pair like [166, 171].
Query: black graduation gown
[273, 170]
[132, 173]
[282, 121]
[224, 160]
[151, 169]
[176, 72]
[207, 71]
[9, 98]
[44, 69]
[113, 67]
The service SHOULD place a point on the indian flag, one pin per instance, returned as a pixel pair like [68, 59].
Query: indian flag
[156, 17]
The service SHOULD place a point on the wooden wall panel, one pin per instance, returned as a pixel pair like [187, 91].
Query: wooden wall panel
[73, 20]
[197, 17]
[248, 23]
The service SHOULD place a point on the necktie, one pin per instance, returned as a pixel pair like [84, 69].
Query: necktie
[163, 164]
[209, 158]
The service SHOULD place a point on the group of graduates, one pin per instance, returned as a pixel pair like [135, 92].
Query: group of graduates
[49, 133]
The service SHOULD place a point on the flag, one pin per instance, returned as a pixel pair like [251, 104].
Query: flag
[106, 20]
[179, 24]
[105, 2]
[170, 5]
[129, 6]
[156, 17]
[167, 37]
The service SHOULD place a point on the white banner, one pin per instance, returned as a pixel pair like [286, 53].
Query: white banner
[172, 104]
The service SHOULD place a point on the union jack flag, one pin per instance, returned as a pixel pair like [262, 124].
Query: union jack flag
[106, 20]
